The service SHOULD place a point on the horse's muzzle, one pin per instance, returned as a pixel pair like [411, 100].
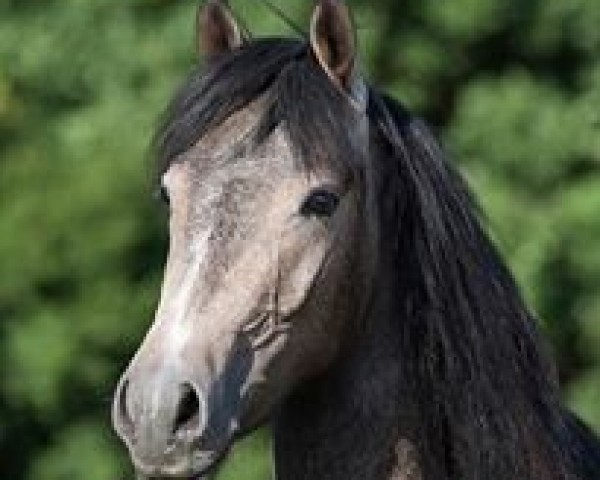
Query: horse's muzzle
[164, 425]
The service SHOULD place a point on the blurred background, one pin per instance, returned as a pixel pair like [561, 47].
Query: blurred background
[511, 87]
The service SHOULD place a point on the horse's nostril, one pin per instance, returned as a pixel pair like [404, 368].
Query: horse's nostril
[123, 419]
[188, 418]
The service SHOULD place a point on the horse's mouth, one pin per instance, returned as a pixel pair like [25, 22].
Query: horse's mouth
[206, 472]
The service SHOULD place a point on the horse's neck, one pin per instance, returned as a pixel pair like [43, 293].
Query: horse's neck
[349, 424]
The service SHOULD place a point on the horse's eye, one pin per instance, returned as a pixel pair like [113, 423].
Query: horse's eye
[320, 203]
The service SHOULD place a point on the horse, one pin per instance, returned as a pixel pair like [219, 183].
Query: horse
[329, 275]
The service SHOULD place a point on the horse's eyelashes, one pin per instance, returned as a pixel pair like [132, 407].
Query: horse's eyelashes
[320, 203]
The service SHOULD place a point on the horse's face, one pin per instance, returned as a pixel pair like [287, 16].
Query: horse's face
[255, 297]
[258, 294]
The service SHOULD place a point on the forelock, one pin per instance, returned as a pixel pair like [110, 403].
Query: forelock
[316, 117]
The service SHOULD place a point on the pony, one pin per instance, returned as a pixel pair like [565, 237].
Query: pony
[329, 275]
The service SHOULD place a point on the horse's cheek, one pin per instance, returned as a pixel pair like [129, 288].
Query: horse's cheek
[295, 289]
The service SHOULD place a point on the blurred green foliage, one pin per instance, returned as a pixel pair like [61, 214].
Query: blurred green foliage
[512, 87]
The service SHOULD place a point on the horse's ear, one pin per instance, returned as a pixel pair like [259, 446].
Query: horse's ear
[333, 41]
[217, 30]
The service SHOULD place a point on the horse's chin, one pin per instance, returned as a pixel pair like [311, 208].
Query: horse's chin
[209, 471]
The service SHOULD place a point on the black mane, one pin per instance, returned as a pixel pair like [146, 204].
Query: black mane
[474, 365]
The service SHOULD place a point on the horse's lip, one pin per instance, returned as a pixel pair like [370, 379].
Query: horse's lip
[199, 474]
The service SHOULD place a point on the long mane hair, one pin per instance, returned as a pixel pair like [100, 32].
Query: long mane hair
[475, 374]
[474, 364]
